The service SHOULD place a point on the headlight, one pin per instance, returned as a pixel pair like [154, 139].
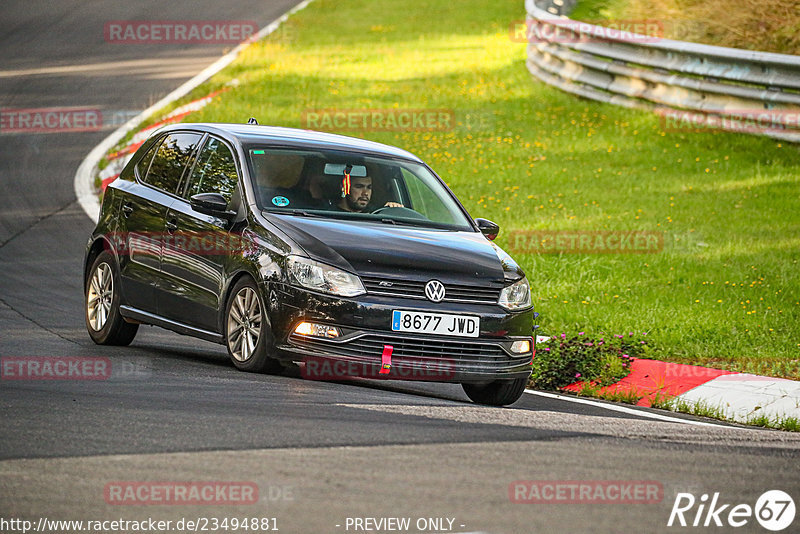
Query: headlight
[521, 346]
[516, 296]
[324, 278]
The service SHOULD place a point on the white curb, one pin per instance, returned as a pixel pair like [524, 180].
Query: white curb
[743, 396]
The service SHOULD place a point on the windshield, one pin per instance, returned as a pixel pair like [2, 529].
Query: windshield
[344, 185]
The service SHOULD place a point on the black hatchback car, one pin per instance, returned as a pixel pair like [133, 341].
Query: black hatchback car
[346, 257]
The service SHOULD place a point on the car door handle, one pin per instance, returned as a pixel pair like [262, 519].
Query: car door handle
[127, 209]
[171, 226]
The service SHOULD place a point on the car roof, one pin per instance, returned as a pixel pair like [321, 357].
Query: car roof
[294, 137]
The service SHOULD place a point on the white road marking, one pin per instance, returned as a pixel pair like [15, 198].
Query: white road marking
[140, 66]
[623, 409]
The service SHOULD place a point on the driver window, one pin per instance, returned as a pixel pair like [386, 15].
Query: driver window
[424, 200]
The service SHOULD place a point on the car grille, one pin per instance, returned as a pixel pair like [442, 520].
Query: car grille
[414, 289]
[465, 354]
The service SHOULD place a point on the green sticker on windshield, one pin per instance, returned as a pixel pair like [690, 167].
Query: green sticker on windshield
[259, 152]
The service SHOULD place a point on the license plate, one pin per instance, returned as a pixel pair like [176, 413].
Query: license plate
[443, 324]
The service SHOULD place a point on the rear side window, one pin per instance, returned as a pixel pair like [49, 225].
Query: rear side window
[144, 163]
[215, 171]
[170, 160]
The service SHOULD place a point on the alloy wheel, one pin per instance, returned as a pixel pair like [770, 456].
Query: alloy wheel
[244, 324]
[100, 296]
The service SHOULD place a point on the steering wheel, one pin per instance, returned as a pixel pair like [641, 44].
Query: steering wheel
[403, 212]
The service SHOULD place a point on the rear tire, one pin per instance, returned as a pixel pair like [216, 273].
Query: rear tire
[496, 393]
[247, 330]
[101, 311]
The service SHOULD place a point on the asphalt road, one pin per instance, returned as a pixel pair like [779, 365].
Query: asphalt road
[175, 409]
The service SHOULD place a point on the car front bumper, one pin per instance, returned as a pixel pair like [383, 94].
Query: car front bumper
[366, 337]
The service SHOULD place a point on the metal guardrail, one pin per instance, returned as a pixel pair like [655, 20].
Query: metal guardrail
[692, 86]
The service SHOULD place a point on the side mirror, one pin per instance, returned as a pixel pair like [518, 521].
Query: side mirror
[488, 228]
[211, 204]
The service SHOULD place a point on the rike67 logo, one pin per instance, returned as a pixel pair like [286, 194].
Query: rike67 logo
[774, 510]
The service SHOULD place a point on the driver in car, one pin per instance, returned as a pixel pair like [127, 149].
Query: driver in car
[358, 197]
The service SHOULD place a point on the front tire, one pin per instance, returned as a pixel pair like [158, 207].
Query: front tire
[496, 393]
[103, 320]
[247, 330]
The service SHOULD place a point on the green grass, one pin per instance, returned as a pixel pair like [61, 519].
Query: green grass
[699, 408]
[623, 396]
[724, 290]
[704, 409]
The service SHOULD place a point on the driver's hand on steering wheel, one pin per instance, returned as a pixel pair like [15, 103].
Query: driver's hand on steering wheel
[393, 205]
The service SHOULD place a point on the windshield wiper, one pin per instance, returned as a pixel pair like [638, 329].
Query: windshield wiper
[301, 213]
[409, 222]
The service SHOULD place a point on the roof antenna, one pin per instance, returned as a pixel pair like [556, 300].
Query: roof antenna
[252, 121]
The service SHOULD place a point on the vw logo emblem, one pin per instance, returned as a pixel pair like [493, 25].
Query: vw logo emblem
[434, 290]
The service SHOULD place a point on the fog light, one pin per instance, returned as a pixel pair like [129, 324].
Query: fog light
[317, 330]
[521, 347]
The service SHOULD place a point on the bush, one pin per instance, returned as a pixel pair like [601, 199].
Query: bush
[560, 361]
